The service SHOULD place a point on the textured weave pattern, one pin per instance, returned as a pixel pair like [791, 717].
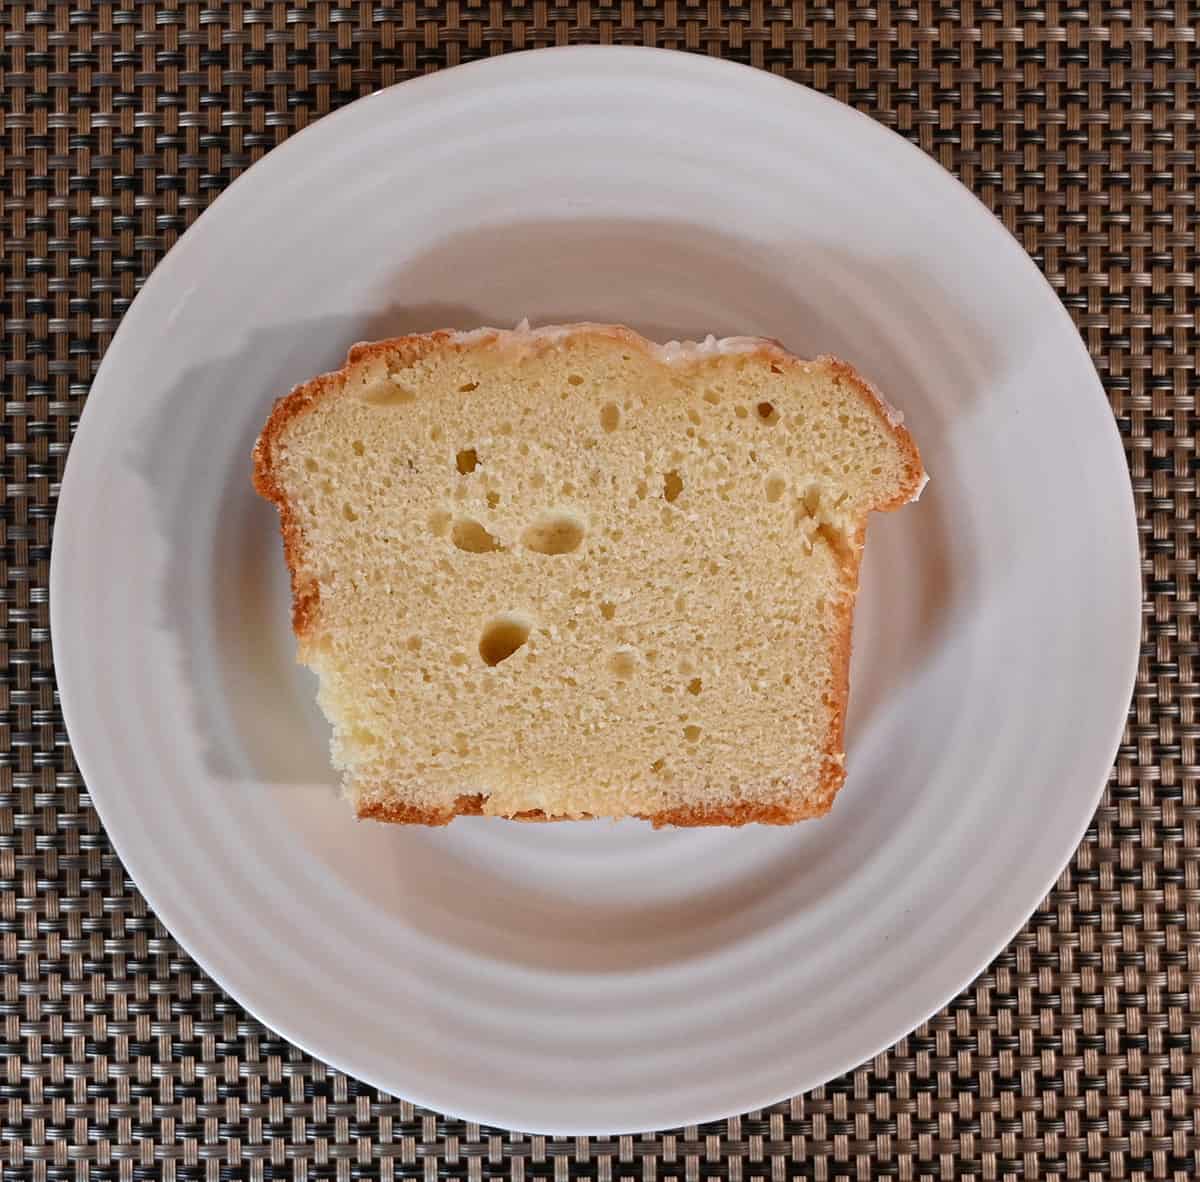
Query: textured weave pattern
[1071, 1056]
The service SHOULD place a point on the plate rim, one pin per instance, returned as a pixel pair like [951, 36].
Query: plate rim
[722, 71]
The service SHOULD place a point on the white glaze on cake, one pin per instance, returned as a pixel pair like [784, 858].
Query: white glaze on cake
[672, 352]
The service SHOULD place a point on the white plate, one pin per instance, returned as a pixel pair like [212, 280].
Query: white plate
[601, 977]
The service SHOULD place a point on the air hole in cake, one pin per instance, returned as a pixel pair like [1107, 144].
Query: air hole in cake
[358, 448]
[775, 488]
[610, 416]
[503, 636]
[691, 733]
[362, 738]
[575, 380]
[672, 485]
[554, 533]
[467, 461]
[767, 413]
[622, 663]
[389, 393]
[608, 610]
[472, 537]
[834, 538]
[695, 686]
[467, 387]
[348, 513]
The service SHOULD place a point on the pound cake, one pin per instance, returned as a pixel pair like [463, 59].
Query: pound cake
[566, 572]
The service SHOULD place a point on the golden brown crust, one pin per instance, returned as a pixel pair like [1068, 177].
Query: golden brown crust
[406, 350]
[734, 815]
[835, 770]
[407, 814]
[914, 470]
[730, 815]
[306, 594]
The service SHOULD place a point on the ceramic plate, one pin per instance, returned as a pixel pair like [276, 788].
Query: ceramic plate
[601, 977]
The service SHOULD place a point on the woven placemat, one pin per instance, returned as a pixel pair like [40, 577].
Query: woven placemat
[1072, 1055]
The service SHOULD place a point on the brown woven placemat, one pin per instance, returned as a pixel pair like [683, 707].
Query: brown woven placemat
[1072, 1055]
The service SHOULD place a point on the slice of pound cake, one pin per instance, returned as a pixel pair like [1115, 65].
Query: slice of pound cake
[569, 573]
